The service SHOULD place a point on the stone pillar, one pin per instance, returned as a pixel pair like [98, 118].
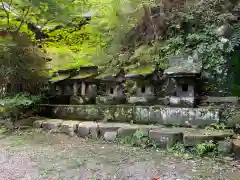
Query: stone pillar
[83, 89]
[75, 88]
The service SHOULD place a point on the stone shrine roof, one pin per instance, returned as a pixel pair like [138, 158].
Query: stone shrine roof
[83, 75]
[138, 71]
[60, 77]
[183, 66]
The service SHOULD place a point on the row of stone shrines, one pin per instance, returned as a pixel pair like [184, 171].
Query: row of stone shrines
[176, 85]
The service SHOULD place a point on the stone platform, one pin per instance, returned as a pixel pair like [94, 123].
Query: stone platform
[186, 117]
[160, 135]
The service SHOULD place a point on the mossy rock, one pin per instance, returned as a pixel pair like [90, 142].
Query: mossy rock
[234, 121]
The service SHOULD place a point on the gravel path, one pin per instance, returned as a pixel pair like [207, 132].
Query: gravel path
[36, 155]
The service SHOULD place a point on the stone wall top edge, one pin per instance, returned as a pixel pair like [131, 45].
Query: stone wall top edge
[129, 105]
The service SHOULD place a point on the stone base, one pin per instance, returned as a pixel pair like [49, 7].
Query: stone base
[236, 148]
[165, 137]
[110, 100]
[180, 101]
[192, 138]
[141, 100]
[187, 117]
[52, 124]
[78, 100]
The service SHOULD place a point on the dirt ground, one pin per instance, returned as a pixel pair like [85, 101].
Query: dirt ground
[37, 155]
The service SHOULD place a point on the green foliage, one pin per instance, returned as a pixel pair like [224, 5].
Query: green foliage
[15, 105]
[204, 148]
[215, 126]
[138, 139]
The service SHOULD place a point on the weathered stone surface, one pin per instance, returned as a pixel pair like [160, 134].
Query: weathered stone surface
[234, 120]
[123, 113]
[110, 100]
[52, 124]
[130, 130]
[225, 147]
[141, 114]
[38, 123]
[106, 112]
[79, 112]
[88, 129]
[165, 137]
[236, 148]
[141, 100]
[110, 136]
[181, 101]
[127, 131]
[110, 127]
[192, 138]
[69, 127]
[190, 116]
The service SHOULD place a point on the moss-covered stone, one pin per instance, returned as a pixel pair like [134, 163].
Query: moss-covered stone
[52, 125]
[236, 148]
[106, 112]
[109, 127]
[110, 100]
[192, 138]
[234, 120]
[165, 137]
[88, 129]
[141, 114]
[69, 127]
[38, 123]
[123, 113]
[195, 117]
[156, 114]
[190, 116]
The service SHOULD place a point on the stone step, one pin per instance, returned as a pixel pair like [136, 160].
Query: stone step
[161, 135]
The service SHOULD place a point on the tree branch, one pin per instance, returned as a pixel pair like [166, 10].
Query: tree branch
[23, 19]
[6, 11]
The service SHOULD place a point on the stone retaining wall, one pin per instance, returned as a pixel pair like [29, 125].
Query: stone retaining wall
[195, 117]
[159, 134]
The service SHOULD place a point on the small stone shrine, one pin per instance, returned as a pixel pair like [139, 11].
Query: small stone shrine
[142, 89]
[184, 72]
[84, 85]
[111, 88]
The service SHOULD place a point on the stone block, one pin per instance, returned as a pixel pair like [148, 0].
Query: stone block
[110, 136]
[199, 136]
[165, 137]
[110, 127]
[88, 129]
[123, 113]
[52, 124]
[127, 131]
[199, 117]
[110, 100]
[225, 147]
[156, 115]
[69, 127]
[141, 114]
[92, 113]
[106, 112]
[236, 148]
[234, 120]
[141, 99]
[38, 123]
